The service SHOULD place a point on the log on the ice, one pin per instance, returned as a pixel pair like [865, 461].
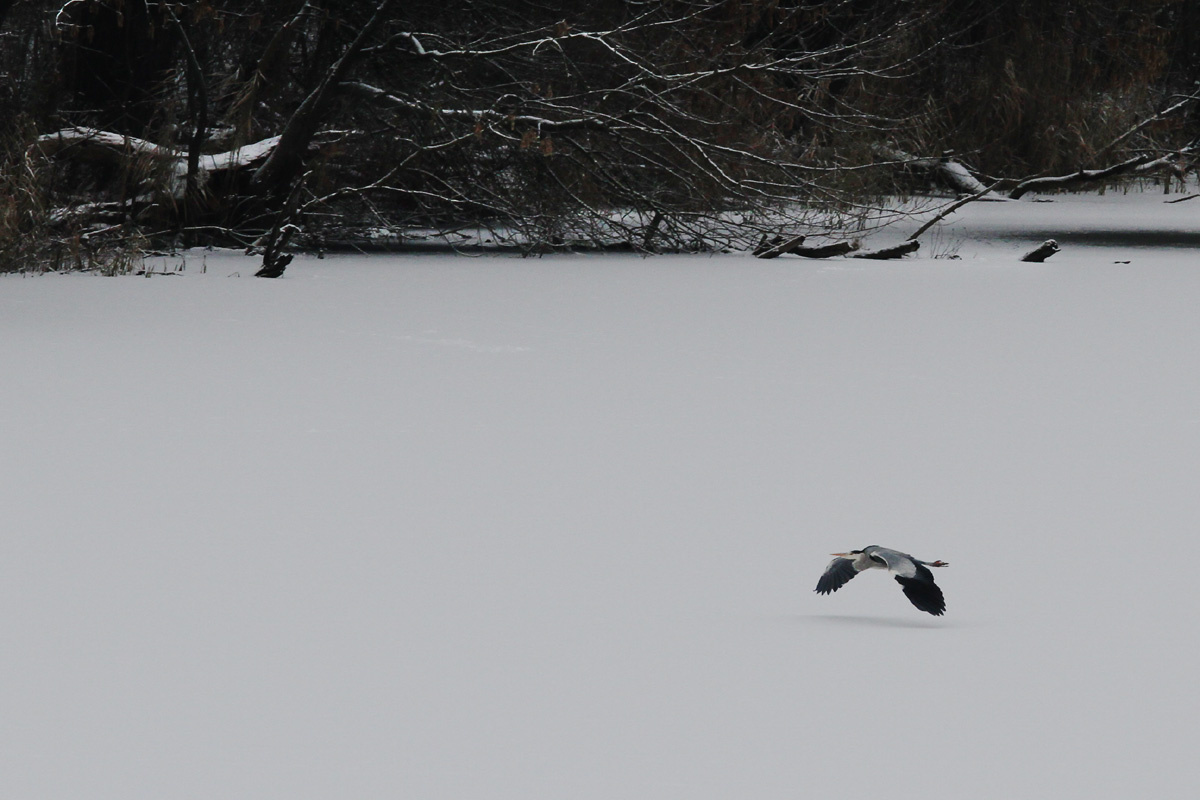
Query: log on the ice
[778, 246]
[825, 251]
[1042, 251]
[896, 251]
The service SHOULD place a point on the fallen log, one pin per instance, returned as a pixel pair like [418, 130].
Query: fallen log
[1080, 178]
[946, 169]
[1042, 251]
[89, 144]
[778, 246]
[895, 251]
[825, 251]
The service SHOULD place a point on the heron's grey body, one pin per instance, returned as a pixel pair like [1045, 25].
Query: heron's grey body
[911, 573]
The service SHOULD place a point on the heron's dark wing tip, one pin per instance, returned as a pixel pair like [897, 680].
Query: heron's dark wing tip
[923, 593]
[837, 574]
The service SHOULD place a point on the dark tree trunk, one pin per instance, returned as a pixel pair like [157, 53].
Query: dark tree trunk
[287, 160]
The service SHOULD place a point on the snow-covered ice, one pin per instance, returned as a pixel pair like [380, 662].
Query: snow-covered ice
[435, 527]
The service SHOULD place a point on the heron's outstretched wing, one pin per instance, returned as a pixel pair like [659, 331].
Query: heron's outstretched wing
[923, 592]
[837, 574]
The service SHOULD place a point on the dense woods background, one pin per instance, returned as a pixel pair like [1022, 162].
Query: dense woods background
[651, 125]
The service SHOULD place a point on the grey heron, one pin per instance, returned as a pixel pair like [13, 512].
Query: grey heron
[911, 573]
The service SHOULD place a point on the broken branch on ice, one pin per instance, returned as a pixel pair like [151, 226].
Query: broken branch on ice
[1042, 251]
[778, 246]
[825, 251]
[895, 251]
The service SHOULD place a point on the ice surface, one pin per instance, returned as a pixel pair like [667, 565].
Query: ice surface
[436, 527]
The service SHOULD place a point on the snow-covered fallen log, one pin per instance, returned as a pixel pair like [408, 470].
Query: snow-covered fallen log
[1079, 178]
[89, 144]
[949, 171]
[895, 251]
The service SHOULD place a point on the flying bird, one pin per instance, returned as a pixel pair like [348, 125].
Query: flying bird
[911, 573]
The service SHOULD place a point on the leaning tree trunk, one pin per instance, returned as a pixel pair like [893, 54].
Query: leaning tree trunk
[284, 165]
[279, 180]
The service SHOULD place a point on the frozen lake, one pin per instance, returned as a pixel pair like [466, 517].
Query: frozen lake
[453, 528]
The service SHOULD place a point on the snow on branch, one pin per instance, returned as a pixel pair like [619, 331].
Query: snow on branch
[952, 172]
[1083, 176]
[89, 144]
[60, 19]
[414, 108]
[92, 144]
[1171, 109]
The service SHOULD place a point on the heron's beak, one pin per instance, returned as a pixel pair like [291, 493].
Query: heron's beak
[840, 555]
